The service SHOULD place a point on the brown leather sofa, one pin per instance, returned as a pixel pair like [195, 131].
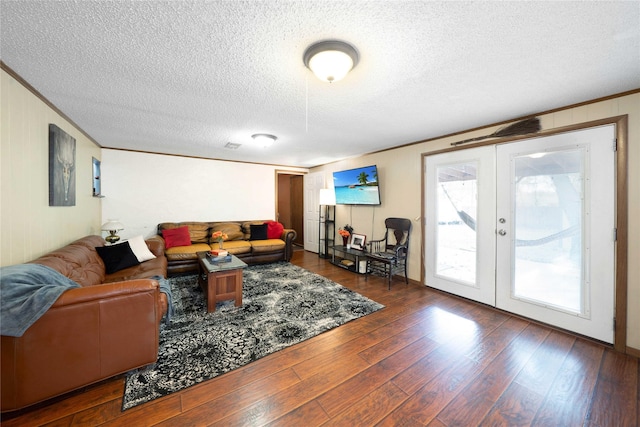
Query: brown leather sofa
[183, 259]
[107, 326]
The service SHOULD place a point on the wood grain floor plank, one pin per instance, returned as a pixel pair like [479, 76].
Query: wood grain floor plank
[516, 407]
[237, 381]
[616, 398]
[309, 414]
[349, 392]
[147, 415]
[400, 333]
[72, 403]
[477, 399]
[63, 422]
[236, 400]
[425, 404]
[462, 337]
[541, 370]
[496, 341]
[371, 408]
[436, 423]
[99, 414]
[568, 399]
[275, 406]
[376, 336]
[462, 329]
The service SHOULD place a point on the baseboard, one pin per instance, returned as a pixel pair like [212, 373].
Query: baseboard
[633, 352]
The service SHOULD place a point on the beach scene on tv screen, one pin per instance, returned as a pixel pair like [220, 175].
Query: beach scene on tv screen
[357, 186]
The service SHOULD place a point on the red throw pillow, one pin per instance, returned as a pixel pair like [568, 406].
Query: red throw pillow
[274, 230]
[176, 237]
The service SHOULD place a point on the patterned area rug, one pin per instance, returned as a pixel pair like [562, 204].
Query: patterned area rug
[282, 305]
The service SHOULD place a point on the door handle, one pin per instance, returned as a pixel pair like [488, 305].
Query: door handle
[502, 232]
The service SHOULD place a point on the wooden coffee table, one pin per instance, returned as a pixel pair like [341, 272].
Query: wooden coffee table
[220, 281]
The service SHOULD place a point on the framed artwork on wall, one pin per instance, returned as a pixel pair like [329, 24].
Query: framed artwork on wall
[62, 167]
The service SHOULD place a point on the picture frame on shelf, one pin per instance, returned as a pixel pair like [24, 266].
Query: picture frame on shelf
[357, 241]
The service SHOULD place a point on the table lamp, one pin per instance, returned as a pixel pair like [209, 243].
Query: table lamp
[112, 226]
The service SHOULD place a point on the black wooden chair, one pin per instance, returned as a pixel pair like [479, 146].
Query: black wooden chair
[388, 256]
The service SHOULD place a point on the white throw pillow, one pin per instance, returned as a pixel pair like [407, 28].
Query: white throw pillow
[140, 249]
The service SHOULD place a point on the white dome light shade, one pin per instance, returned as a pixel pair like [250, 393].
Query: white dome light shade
[331, 60]
[331, 65]
[264, 139]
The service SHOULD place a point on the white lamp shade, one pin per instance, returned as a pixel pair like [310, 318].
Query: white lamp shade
[112, 225]
[327, 197]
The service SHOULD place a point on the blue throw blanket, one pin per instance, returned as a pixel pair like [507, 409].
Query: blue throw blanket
[165, 287]
[26, 293]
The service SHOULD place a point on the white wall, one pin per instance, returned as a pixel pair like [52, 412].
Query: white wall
[400, 183]
[142, 190]
[29, 227]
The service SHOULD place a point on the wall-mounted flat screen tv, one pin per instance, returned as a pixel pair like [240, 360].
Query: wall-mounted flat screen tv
[357, 186]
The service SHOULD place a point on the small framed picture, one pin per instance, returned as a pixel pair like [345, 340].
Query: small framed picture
[357, 241]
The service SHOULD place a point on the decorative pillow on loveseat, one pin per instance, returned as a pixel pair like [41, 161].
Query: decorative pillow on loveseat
[117, 257]
[140, 249]
[258, 232]
[178, 236]
[274, 229]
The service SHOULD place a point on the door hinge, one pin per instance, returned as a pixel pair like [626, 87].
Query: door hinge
[615, 144]
[614, 324]
[615, 234]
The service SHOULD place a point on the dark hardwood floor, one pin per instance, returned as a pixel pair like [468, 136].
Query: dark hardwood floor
[426, 359]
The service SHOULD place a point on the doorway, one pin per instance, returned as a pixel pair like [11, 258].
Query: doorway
[289, 203]
[528, 227]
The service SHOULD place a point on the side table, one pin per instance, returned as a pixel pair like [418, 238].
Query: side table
[357, 256]
[220, 281]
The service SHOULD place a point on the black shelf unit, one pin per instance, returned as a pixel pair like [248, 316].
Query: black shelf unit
[354, 255]
[327, 230]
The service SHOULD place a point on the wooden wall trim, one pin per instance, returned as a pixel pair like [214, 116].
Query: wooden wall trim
[622, 224]
[42, 98]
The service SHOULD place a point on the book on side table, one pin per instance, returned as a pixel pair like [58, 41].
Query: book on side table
[219, 255]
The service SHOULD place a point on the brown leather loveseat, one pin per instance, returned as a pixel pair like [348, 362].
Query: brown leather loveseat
[240, 242]
[107, 326]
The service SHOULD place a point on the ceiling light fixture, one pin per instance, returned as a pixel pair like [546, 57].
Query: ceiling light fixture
[264, 139]
[331, 60]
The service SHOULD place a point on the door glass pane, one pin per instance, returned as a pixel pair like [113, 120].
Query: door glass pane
[548, 216]
[457, 213]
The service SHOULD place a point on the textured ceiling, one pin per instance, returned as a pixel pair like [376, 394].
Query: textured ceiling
[188, 77]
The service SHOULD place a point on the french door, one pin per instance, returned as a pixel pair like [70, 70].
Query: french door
[313, 182]
[460, 205]
[528, 227]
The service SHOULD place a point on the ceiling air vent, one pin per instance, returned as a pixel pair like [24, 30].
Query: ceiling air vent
[232, 145]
